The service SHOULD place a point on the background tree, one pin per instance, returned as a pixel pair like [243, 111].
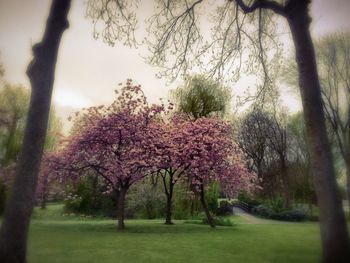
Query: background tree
[252, 138]
[202, 97]
[13, 112]
[262, 136]
[333, 53]
[14, 101]
[14, 229]
[299, 161]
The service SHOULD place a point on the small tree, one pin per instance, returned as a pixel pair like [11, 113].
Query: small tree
[214, 157]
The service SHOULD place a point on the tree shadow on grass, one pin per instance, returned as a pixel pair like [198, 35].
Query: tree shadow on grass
[132, 226]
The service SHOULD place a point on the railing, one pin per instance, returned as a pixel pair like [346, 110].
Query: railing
[242, 205]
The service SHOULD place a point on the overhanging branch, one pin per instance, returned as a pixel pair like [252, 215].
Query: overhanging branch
[261, 4]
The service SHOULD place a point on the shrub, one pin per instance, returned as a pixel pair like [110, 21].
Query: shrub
[88, 198]
[287, 215]
[276, 205]
[225, 208]
[250, 201]
[145, 201]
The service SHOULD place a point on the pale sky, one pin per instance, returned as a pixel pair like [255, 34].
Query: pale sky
[88, 70]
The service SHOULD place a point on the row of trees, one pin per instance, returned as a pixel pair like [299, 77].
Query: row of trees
[129, 140]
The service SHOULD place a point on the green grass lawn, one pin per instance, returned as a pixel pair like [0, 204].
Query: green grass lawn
[54, 238]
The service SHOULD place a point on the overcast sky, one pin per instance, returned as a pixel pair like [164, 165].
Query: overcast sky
[88, 70]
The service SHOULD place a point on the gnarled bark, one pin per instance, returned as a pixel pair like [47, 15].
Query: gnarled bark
[14, 230]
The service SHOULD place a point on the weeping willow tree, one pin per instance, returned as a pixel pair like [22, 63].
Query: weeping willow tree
[201, 96]
[14, 103]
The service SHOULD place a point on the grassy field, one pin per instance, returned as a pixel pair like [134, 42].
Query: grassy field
[57, 238]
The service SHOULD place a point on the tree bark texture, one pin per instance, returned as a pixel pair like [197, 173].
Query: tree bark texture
[334, 234]
[206, 209]
[348, 182]
[169, 198]
[41, 70]
[121, 207]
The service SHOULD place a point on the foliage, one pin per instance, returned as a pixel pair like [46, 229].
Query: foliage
[249, 200]
[202, 97]
[333, 60]
[276, 212]
[88, 198]
[185, 203]
[145, 200]
[212, 195]
[224, 209]
[14, 101]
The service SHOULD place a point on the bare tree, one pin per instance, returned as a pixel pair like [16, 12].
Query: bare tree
[262, 136]
[14, 229]
[252, 138]
[119, 17]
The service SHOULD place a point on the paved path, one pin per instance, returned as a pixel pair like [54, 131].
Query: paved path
[251, 219]
[248, 217]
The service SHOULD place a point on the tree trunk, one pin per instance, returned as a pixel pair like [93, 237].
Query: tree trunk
[121, 206]
[286, 184]
[169, 196]
[168, 210]
[206, 209]
[348, 182]
[334, 235]
[14, 230]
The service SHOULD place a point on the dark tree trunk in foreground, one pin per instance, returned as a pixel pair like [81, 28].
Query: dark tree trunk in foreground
[206, 209]
[335, 239]
[14, 230]
[348, 182]
[334, 233]
[121, 207]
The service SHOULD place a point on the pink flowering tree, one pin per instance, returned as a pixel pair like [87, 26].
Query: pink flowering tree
[213, 156]
[169, 146]
[200, 151]
[113, 142]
